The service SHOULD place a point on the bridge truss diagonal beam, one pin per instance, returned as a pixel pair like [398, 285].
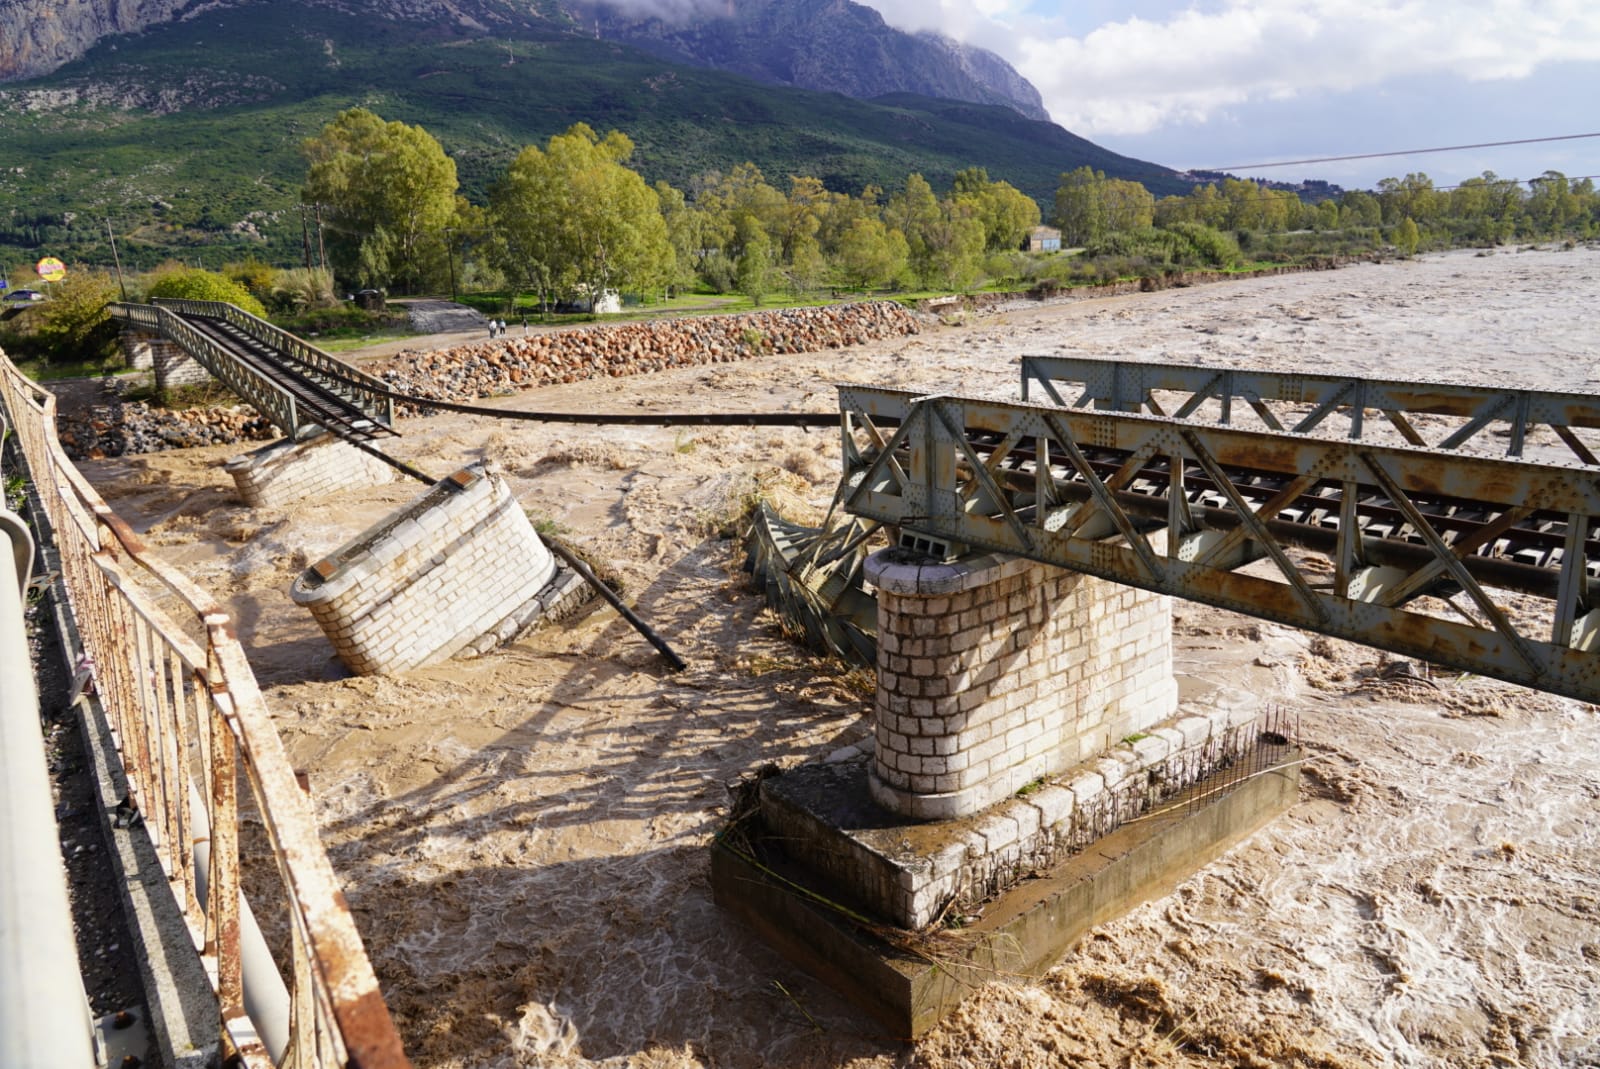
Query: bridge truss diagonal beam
[1482, 564]
[1306, 404]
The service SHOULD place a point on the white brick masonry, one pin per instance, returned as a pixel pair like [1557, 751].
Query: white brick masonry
[173, 366]
[288, 471]
[460, 563]
[1052, 815]
[996, 671]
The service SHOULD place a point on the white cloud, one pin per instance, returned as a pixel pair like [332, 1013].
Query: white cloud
[1131, 74]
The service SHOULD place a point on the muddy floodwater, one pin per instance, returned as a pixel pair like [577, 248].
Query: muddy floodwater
[523, 837]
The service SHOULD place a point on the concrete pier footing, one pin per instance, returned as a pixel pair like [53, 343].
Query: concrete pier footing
[910, 979]
[1019, 781]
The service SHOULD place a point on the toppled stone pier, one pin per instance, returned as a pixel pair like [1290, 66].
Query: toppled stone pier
[290, 470]
[457, 572]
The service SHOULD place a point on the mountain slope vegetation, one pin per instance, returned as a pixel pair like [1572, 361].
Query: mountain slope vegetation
[186, 136]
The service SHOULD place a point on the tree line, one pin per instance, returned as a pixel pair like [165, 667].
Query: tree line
[571, 219]
[1486, 210]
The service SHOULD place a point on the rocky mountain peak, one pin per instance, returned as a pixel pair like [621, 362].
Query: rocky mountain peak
[829, 45]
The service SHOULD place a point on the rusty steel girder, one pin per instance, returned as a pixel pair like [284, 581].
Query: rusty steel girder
[1213, 394]
[1404, 549]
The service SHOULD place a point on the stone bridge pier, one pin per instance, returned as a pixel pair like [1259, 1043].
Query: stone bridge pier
[996, 671]
[171, 363]
[1022, 784]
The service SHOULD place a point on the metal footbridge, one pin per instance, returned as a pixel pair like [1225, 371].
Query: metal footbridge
[295, 385]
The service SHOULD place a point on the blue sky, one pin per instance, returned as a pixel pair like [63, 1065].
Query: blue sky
[1224, 83]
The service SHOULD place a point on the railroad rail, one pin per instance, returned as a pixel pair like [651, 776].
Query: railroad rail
[1392, 526]
[278, 372]
[1212, 394]
[1393, 547]
[192, 730]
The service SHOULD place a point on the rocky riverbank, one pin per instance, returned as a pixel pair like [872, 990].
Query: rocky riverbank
[135, 427]
[520, 362]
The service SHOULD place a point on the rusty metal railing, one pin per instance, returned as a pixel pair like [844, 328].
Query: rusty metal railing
[366, 391]
[192, 728]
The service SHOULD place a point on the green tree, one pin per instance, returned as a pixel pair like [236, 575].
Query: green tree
[74, 324]
[1007, 214]
[1359, 208]
[1080, 207]
[1550, 205]
[387, 192]
[576, 219]
[871, 255]
[915, 213]
[733, 205]
[683, 232]
[1410, 197]
[755, 262]
[1407, 237]
[1127, 205]
[806, 266]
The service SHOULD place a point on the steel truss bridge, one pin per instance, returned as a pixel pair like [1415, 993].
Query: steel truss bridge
[1332, 511]
[295, 385]
[1486, 565]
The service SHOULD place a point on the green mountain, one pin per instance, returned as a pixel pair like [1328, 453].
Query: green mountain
[186, 135]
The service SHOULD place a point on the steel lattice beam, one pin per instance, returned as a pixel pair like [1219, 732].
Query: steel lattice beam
[1404, 549]
[1477, 411]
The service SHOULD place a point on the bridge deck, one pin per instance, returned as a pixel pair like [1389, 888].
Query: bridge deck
[317, 396]
[292, 383]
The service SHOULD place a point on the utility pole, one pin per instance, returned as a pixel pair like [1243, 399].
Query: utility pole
[450, 257]
[305, 237]
[322, 252]
[116, 259]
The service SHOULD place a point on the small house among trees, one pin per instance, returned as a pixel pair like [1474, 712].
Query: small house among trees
[1042, 239]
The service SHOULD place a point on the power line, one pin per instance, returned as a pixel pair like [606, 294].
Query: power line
[1402, 152]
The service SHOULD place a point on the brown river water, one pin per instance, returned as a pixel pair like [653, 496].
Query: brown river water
[523, 837]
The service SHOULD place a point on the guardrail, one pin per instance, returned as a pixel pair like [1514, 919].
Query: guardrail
[44, 1015]
[374, 404]
[271, 399]
[192, 728]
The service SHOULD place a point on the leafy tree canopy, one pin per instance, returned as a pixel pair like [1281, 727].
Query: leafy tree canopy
[386, 192]
[576, 220]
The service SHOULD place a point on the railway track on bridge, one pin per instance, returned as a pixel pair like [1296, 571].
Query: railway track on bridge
[1358, 535]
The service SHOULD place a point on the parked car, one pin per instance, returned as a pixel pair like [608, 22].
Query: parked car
[22, 296]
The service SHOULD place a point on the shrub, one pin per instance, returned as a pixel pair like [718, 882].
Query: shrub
[194, 284]
[296, 289]
[1205, 245]
[255, 276]
[73, 324]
